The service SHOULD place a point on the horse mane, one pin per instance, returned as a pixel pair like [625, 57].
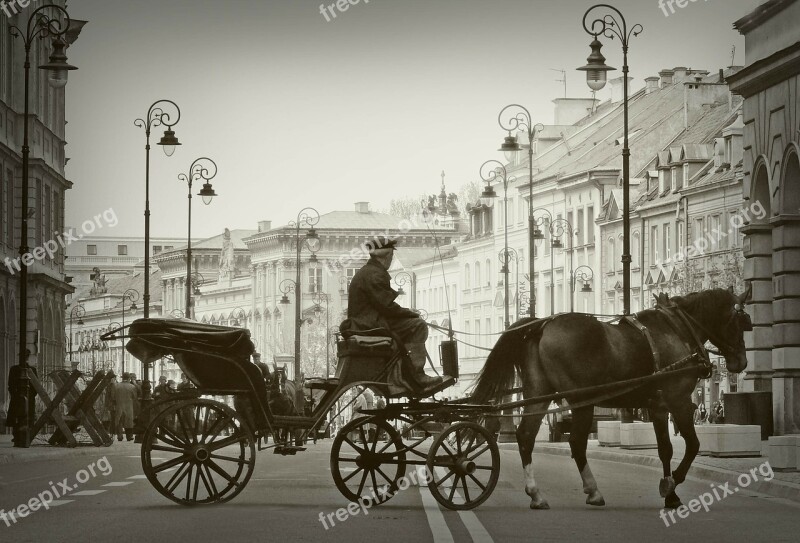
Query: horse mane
[703, 305]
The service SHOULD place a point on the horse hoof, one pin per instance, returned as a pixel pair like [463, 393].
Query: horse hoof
[596, 499]
[540, 505]
[672, 502]
[666, 486]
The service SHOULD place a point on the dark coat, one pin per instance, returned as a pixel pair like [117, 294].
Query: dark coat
[371, 300]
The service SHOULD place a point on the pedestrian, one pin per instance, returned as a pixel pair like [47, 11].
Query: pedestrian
[125, 400]
[161, 388]
[185, 383]
[700, 415]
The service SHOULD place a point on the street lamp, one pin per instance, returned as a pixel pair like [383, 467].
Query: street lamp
[116, 326]
[133, 295]
[405, 278]
[585, 275]
[39, 26]
[491, 171]
[237, 316]
[201, 169]
[307, 217]
[596, 69]
[506, 255]
[538, 235]
[518, 117]
[156, 116]
[319, 298]
[77, 313]
[558, 228]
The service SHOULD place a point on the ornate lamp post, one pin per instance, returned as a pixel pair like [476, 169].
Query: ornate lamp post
[39, 26]
[506, 255]
[491, 171]
[405, 278]
[585, 275]
[116, 326]
[306, 218]
[320, 298]
[133, 295]
[201, 169]
[611, 25]
[237, 316]
[518, 117]
[77, 313]
[558, 228]
[537, 235]
[156, 116]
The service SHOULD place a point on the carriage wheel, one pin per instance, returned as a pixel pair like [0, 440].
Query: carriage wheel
[463, 466]
[198, 452]
[367, 460]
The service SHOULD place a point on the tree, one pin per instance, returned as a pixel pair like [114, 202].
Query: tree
[468, 195]
[406, 208]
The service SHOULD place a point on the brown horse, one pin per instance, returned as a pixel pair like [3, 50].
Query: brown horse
[573, 351]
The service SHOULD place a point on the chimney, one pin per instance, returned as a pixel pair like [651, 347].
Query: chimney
[362, 207]
[617, 93]
[666, 77]
[569, 111]
[680, 74]
[651, 84]
[264, 226]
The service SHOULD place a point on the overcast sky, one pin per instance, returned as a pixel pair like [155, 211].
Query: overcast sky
[300, 111]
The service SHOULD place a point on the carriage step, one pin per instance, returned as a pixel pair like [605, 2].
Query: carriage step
[287, 450]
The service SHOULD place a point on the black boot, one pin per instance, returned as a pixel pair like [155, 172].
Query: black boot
[425, 384]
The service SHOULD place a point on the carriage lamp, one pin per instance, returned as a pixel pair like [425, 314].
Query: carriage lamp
[596, 68]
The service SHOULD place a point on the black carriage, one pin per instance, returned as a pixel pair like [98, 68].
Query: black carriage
[198, 450]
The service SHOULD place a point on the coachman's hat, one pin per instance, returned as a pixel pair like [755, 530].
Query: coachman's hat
[380, 245]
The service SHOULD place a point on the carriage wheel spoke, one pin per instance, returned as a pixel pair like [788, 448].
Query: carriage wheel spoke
[170, 487]
[446, 477]
[175, 440]
[211, 432]
[361, 486]
[458, 442]
[356, 447]
[449, 451]
[374, 440]
[162, 448]
[213, 465]
[189, 437]
[363, 437]
[171, 463]
[230, 440]
[477, 482]
[374, 480]
[228, 458]
[345, 479]
[189, 481]
[466, 490]
[480, 452]
[388, 480]
[196, 483]
[453, 490]
[208, 481]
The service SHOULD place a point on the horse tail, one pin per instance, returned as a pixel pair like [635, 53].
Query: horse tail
[497, 376]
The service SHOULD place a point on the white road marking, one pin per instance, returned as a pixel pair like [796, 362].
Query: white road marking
[120, 483]
[476, 529]
[88, 492]
[138, 477]
[56, 503]
[441, 533]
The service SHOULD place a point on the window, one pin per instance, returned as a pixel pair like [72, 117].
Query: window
[735, 239]
[91, 250]
[589, 224]
[477, 281]
[467, 276]
[716, 232]
[122, 250]
[612, 256]
[697, 229]
[685, 182]
[580, 227]
[349, 273]
[488, 273]
[156, 249]
[314, 280]
[547, 237]
[681, 237]
[635, 256]
[654, 256]
[168, 247]
[666, 251]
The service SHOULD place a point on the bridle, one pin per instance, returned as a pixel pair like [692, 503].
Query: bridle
[738, 314]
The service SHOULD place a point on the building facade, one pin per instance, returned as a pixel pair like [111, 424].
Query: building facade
[45, 206]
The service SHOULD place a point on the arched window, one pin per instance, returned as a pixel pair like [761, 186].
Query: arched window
[466, 276]
[477, 282]
[488, 272]
[635, 263]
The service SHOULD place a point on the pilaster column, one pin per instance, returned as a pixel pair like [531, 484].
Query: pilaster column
[757, 251]
[786, 327]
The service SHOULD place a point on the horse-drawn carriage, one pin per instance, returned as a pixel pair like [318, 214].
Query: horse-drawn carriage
[197, 450]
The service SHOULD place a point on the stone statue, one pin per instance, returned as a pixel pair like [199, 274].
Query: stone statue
[100, 281]
[227, 266]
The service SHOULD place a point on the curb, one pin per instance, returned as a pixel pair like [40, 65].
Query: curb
[45, 452]
[778, 489]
